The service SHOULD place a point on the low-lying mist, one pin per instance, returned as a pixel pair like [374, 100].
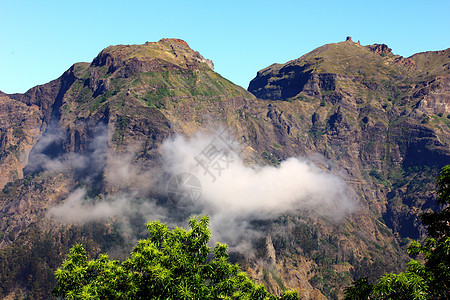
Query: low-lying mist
[203, 174]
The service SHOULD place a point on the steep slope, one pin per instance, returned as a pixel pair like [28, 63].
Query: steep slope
[19, 130]
[352, 110]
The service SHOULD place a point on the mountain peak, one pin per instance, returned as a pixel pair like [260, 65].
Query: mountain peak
[151, 56]
[346, 58]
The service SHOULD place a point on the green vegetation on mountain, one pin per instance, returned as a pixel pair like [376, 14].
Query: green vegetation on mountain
[348, 59]
[156, 83]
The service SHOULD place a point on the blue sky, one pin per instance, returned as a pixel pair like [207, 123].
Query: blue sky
[39, 40]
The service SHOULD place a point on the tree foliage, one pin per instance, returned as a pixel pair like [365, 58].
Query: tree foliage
[170, 264]
[429, 280]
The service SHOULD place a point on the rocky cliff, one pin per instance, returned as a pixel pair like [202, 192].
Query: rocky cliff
[382, 116]
[377, 120]
[19, 131]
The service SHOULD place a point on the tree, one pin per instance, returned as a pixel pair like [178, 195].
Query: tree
[170, 264]
[429, 280]
[360, 290]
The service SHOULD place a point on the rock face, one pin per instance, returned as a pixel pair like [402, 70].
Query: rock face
[380, 120]
[19, 130]
[390, 117]
[380, 49]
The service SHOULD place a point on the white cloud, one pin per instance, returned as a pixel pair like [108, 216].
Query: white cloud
[232, 197]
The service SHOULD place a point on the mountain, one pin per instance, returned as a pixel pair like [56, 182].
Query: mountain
[87, 158]
[381, 116]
